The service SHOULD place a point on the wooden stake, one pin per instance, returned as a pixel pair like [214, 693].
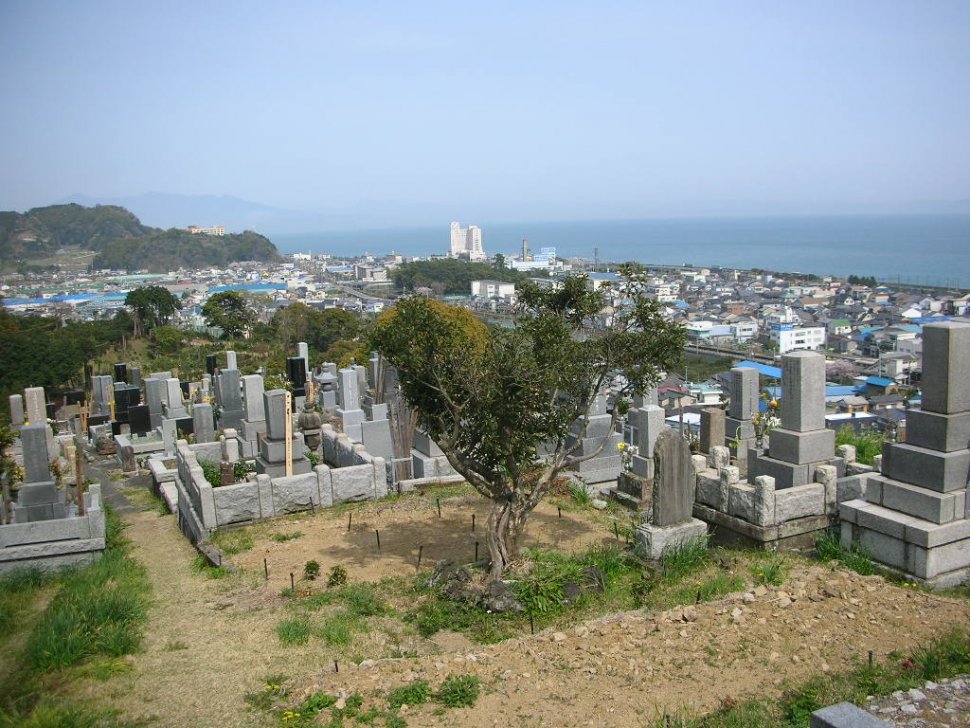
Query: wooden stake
[420, 555]
[266, 569]
[292, 581]
[476, 551]
[438, 501]
[378, 534]
[473, 523]
[288, 434]
[350, 520]
[79, 475]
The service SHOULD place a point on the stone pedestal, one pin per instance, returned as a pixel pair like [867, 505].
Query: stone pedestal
[652, 540]
[593, 432]
[914, 515]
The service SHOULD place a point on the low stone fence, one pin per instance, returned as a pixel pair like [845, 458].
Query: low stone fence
[203, 509]
[57, 543]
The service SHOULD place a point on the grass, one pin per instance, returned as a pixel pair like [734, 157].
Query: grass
[234, 541]
[946, 656]
[682, 558]
[201, 564]
[338, 628]
[770, 573]
[829, 548]
[96, 616]
[294, 631]
[284, 537]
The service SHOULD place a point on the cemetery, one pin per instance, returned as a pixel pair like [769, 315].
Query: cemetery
[268, 481]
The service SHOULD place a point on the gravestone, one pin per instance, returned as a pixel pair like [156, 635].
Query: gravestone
[254, 420]
[327, 387]
[914, 516]
[121, 373]
[349, 412]
[644, 423]
[134, 376]
[231, 360]
[126, 397]
[712, 428]
[230, 400]
[594, 432]
[155, 392]
[173, 407]
[139, 419]
[38, 498]
[17, 414]
[802, 443]
[303, 351]
[296, 373]
[744, 391]
[202, 423]
[673, 498]
[211, 363]
[101, 393]
[271, 459]
[35, 402]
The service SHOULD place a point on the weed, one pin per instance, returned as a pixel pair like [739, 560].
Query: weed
[680, 559]
[212, 472]
[337, 576]
[201, 564]
[311, 570]
[338, 628]
[284, 537]
[856, 557]
[580, 495]
[234, 541]
[176, 646]
[294, 631]
[414, 693]
[771, 573]
[362, 600]
[459, 691]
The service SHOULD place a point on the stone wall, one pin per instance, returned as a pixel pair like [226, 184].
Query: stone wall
[204, 509]
[56, 543]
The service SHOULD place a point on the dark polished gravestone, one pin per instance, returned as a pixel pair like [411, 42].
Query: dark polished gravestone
[674, 484]
[139, 419]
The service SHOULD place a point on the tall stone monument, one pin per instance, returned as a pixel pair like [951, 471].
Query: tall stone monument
[593, 433]
[914, 516]
[802, 443]
[230, 400]
[744, 390]
[271, 459]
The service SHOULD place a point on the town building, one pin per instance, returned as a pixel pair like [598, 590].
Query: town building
[466, 242]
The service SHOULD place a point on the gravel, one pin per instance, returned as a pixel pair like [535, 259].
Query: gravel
[943, 704]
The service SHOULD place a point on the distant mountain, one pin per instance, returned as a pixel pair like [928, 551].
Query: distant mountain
[121, 240]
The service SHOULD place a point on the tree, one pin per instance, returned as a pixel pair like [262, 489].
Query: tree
[491, 397]
[230, 311]
[152, 306]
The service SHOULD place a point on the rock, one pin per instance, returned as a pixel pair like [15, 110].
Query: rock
[558, 636]
[917, 695]
[760, 591]
[689, 614]
[572, 592]
[748, 598]
[599, 504]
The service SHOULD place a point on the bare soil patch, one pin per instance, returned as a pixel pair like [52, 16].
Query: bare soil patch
[211, 641]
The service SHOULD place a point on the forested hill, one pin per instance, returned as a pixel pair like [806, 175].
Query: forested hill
[121, 241]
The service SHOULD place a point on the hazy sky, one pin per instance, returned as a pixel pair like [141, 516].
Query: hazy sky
[506, 109]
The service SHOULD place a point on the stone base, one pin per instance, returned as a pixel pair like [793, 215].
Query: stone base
[795, 535]
[231, 419]
[802, 447]
[931, 553]
[633, 491]
[787, 474]
[426, 466]
[652, 540]
[278, 469]
[252, 430]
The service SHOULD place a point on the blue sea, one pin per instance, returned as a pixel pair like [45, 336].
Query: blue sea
[914, 249]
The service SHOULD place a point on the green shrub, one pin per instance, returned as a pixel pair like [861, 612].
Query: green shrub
[414, 693]
[311, 570]
[362, 600]
[459, 691]
[338, 628]
[579, 494]
[284, 537]
[212, 472]
[868, 444]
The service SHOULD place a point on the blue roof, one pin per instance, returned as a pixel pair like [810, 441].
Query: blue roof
[680, 304]
[603, 276]
[69, 298]
[840, 390]
[930, 319]
[880, 381]
[763, 369]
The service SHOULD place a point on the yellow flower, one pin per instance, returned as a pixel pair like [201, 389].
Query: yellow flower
[621, 446]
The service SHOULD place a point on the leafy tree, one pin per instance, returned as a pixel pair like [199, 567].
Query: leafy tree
[491, 397]
[230, 311]
[167, 340]
[152, 306]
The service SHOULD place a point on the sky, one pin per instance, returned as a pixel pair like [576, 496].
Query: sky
[507, 110]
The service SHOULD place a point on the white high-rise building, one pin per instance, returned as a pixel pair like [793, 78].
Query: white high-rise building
[466, 242]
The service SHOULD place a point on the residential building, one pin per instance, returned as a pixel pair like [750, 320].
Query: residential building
[493, 289]
[788, 337]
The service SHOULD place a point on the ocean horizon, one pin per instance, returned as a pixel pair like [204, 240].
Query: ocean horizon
[930, 249]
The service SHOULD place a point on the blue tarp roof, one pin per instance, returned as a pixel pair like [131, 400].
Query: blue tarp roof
[831, 391]
[880, 381]
[763, 369]
[71, 298]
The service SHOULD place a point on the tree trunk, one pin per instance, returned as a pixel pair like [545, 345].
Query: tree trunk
[506, 523]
